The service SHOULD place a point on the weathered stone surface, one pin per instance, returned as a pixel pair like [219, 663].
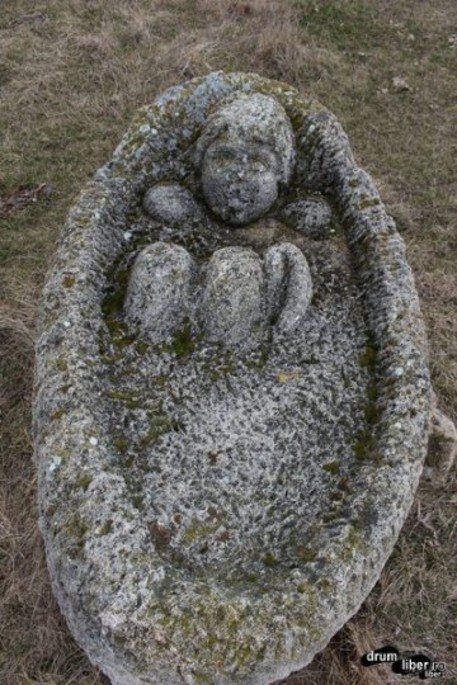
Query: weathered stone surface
[170, 203]
[289, 286]
[246, 151]
[232, 298]
[212, 512]
[158, 297]
[442, 451]
[312, 217]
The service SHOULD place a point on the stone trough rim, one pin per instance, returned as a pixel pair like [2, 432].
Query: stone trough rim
[394, 325]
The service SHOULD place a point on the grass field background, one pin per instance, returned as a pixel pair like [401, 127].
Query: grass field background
[72, 74]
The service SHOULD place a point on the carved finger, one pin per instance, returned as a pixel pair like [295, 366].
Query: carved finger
[231, 303]
[288, 286]
[158, 294]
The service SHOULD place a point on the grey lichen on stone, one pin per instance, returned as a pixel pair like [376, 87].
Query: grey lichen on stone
[245, 154]
[312, 217]
[159, 291]
[170, 203]
[232, 299]
[237, 297]
[289, 286]
[214, 511]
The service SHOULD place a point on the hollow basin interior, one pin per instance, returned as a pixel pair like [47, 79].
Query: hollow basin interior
[236, 458]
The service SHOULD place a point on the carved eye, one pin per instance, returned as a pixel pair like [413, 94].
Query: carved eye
[260, 163]
[222, 157]
[264, 160]
[226, 154]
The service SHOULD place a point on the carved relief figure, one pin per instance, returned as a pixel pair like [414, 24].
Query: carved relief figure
[244, 158]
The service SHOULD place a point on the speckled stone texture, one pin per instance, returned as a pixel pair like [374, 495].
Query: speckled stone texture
[245, 154]
[214, 513]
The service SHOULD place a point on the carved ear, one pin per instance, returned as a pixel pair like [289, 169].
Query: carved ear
[211, 132]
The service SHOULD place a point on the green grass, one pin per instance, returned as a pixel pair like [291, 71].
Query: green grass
[352, 26]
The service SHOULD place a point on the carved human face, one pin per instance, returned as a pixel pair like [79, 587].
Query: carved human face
[245, 155]
[239, 180]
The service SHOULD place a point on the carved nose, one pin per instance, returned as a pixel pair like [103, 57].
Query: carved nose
[238, 190]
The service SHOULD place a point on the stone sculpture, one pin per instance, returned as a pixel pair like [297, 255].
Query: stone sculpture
[232, 394]
[244, 155]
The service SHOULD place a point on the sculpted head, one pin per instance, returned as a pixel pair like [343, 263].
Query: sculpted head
[245, 154]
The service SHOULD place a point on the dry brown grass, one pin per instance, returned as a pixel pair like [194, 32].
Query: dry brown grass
[71, 76]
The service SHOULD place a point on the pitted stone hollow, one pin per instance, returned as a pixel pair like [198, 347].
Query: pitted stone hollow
[170, 203]
[245, 154]
[240, 297]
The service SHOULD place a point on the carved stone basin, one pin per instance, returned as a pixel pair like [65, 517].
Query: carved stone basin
[232, 393]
